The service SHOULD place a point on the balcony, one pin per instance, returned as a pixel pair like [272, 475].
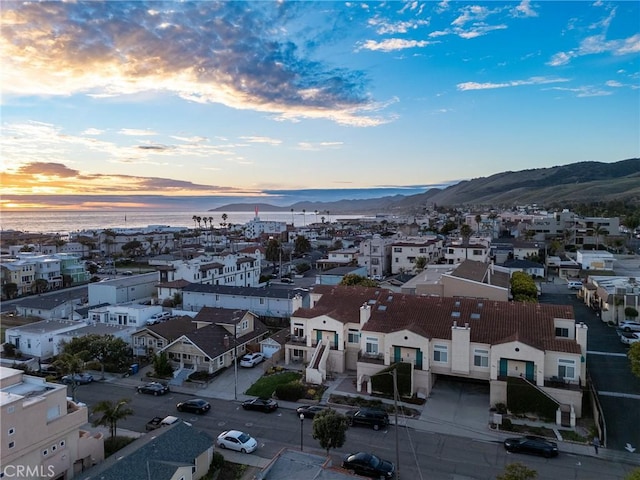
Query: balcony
[376, 358]
[297, 340]
[558, 382]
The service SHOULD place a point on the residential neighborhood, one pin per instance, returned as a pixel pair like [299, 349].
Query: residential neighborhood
[344, 300]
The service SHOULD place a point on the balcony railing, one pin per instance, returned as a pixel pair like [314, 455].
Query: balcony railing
[297, 340]
[558, 382]
[376, 358]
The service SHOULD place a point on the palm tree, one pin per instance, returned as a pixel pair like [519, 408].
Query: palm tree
[112, 414]
[597, 231]
[70, 364]
[465, 232]
[292, 221]
[304, 218]
[478, 220]
[316, 212]
[224, 219]
[195, 220]
[198, 219]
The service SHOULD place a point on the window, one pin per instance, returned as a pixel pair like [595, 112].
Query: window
[397, 249]
[440, 353]
[11, 431]
[562, 332]
[481, 358]
[12, 444]
[567, 369]
[372, 346]
[354, 336]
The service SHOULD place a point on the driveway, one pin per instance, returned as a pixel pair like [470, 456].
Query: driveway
[607, 364]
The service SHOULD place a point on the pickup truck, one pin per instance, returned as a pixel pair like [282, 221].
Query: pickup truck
[157, 422]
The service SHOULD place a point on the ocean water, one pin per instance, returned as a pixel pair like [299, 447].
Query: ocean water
[63, 222]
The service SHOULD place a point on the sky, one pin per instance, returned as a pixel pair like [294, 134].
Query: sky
[141, 104]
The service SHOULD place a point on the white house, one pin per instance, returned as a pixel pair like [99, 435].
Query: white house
[125, 314]
[595, 260]
[267, 302]
[405, 253]
[38, 339]
[124, 289]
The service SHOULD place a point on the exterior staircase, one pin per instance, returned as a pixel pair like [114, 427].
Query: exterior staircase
[180, 376]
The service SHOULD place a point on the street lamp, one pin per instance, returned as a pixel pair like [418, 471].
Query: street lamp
[235, 358]
[394, 374]
[301, 423]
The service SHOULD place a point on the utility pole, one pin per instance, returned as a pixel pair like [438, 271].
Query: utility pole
[395, 406]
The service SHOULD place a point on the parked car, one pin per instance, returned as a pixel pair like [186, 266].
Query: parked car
[629, 338]
[266, 405]
[77, 378]
[251, 359]
[195, 405]
[310, 411]
[574, 285]
[369, 417]
[531, 444]
[153, 388]
[237, 440]
[158, 317]
[630, 326]
[369, 465]
[286, 280]
[157, 422]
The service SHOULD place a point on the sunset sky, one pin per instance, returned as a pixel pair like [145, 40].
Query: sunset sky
[128, 104]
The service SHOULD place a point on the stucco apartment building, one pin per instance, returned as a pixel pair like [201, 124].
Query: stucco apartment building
[368, 329]
[42, 435]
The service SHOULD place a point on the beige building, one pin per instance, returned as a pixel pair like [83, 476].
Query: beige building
[41, 429]
[368, 329]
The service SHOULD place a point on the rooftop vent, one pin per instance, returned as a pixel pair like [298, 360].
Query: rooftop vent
[455, 314]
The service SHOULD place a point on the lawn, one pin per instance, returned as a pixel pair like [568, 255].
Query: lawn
[267, 385]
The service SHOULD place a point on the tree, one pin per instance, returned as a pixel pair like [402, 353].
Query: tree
[10, 290]
[517, 471]
[132, 248]
[630, 313]
[353, 279]
[465, 232]
[70, 364]
[523, 288]
[302, 244]
[421, 262]
[40, 285]
[224, 220]
[105, 349]
[634, 474]
[330, 429]
[597, 232]
[112, 413]
[478, 220]
[161, 366]
[634, 358]
[273, 251]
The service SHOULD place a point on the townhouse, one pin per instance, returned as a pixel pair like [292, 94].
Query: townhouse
[475, 249]
[375, 254]
[368, 329]
[405, 253]
[42, 434]
[611, 296]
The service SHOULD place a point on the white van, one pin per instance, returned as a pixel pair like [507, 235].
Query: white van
[574, 285]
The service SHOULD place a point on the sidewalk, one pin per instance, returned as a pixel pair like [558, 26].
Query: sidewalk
[445, 411]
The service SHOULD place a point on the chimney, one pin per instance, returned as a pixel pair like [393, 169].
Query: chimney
[226, 341]
[365, 313]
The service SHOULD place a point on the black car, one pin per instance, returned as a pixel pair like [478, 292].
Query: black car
[262, 404]
[196, 405]
[310, 411]
[368, 417]
[153, 388]
[77, 378]
[533, 445]
[369, 465]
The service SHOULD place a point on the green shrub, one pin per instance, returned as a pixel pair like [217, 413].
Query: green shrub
[291, 391]
[506, 424]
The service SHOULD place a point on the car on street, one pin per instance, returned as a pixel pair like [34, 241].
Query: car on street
[310, 411]
[574, 285]
[237, 440]
[157, 318]
[629, 338]
[266, 405]
[286, 280]
[368, 417]
[251, 359]
[153, 388]
[194, 405]
[630, 326]
[369, 465]
[77, 378]
[533, 445]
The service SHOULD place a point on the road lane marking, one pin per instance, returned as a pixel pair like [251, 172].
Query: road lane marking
[620, 395]
[608, 354]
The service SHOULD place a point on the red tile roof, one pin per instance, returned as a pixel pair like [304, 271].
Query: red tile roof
[491, 322]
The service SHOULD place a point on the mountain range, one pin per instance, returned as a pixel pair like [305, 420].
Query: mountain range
[582, 182]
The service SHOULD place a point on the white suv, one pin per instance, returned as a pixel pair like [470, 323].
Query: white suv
[158, 317]
[630, 326]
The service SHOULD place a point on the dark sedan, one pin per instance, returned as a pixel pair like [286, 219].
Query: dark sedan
[77, 378]
[310, 411]
[533, 445]
[262, 404]
[153, 388]
[196, 405]
[369, 465]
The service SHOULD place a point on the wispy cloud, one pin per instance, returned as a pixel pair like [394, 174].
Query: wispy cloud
[206, 52]
[262, 140]
[311, 146]
[133, 132]
[512, 83]
[392, 44]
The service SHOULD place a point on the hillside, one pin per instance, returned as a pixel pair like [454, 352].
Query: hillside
[582, 182]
